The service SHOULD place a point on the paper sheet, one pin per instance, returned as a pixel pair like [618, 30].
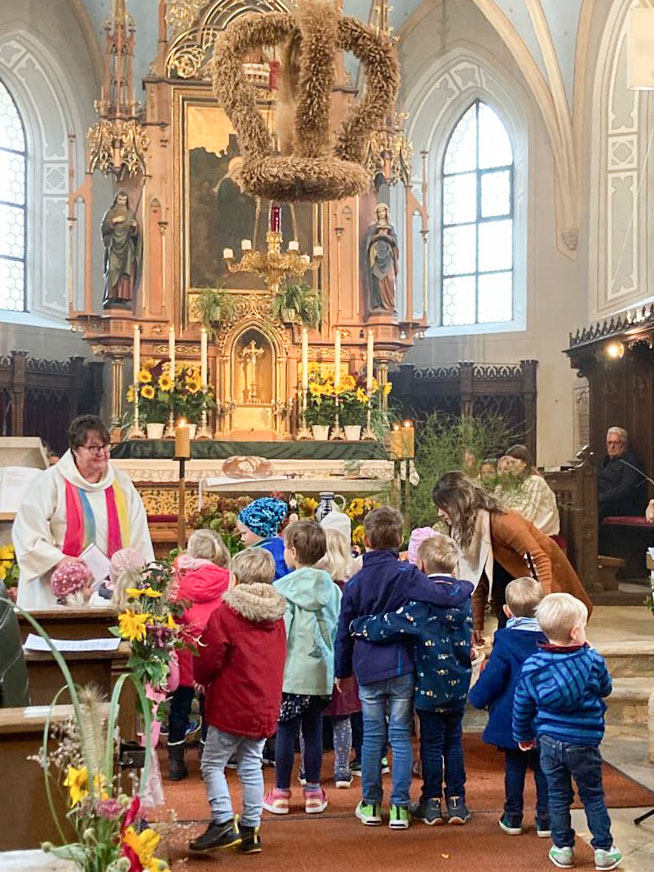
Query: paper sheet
[97, 561]
[37, 643]
[14, 484]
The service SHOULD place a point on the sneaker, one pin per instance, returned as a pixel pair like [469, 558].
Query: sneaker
[543, 830]
[355, 768]
[276, 801]
[369, 813]
[562, 857]
[512, 826]
[399, 818]
[315, 800]
[457, 813]
[301, 777]
[385, 767]
[217, 837]
[428, 811]
[343, 779]
[607, 859]
[250, 840]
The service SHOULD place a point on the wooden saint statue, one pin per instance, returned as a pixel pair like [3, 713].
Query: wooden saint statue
[382, 257]
[123, 251]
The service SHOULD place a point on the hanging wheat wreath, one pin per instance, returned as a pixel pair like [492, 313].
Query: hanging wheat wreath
[312, 166]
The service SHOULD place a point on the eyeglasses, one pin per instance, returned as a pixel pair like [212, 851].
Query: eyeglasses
[96, 449]
[614, 441]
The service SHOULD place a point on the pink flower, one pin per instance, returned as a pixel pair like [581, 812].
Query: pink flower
[110, 809]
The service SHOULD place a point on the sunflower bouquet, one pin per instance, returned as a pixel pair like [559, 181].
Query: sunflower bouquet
[9, 571]
[155, 390]
[356, 510]
[189, 397]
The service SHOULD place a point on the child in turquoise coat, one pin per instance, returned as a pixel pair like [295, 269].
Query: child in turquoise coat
[311, 623]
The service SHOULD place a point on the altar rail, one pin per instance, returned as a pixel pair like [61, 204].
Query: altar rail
[470, 389]
[41, 397]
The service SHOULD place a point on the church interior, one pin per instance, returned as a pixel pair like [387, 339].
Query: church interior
[321, 254]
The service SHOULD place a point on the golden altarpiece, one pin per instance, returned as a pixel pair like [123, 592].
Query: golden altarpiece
[179, 161]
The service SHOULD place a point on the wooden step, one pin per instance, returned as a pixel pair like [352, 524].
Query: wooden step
[629, 659]
[629, 700]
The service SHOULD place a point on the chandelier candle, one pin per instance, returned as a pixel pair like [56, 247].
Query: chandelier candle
[276, 219]
[246, 245]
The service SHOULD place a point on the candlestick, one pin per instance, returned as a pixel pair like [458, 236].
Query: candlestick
[182, 440]
[305, 359]
[171, 351]
[337, 358]
[246, 245]
[370, 361]
[203, 358]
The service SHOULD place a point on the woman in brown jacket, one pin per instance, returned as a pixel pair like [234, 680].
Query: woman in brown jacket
[498, 546]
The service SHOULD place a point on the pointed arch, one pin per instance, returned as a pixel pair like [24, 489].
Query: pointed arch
[13, 203]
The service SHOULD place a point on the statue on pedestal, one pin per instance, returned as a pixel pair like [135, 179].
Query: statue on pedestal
[382, 257]
[250, 354]
[123, 251]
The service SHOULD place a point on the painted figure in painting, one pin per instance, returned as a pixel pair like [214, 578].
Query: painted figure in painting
[123, 248]
[382, 259]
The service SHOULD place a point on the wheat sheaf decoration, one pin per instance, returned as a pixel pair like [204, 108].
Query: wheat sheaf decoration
[314, 164]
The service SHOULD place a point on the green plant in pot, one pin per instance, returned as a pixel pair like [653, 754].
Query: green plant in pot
[216, 307]
[297, 304]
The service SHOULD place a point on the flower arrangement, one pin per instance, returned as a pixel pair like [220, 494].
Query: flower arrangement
[9, 570]
[221, 515]
[160, 394]
[354, 401]
[356, 510]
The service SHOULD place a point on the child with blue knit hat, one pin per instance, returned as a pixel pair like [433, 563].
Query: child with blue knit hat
[258, 525]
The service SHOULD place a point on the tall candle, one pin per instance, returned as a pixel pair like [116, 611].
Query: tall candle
[305, 359]
[171, 351]
[370, 361]
[337, 358]
[203, 357]
[137, 353]
[276, 219]
[182, 440]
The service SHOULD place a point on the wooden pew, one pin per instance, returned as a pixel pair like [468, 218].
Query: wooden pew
[25, 815]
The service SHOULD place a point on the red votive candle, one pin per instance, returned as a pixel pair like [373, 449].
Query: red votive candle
[275, 218]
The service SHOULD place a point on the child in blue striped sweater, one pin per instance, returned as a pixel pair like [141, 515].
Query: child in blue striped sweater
[559, 702]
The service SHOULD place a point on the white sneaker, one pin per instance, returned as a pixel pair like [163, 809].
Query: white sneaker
[607, 859]
[562, 857]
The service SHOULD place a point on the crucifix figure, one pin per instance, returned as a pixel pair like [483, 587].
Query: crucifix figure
[250, 354]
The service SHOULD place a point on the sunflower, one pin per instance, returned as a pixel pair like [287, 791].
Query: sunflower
[193, 387]
[77, 782]
[136, 592]
[388, 387]
[145, 376]
[132, 625]
[7, 552]
[147, 392]
[165, 382]
[142, 844]
[130, 394]
[362, 397]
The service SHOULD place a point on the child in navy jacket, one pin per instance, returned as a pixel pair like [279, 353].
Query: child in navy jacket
[496, 689]
[442, 636]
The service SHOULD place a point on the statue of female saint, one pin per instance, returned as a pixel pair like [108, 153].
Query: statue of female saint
[123, 248]
[382, 255]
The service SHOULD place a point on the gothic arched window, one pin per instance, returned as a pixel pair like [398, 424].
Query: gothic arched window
[477, 276]
[13, 172]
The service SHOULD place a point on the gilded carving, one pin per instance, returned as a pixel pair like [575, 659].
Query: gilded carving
[117, 143]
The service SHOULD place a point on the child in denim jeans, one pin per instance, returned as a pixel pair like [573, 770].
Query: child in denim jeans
[559, 703]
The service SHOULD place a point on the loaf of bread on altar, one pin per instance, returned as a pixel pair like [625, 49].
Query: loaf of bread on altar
[241, 466]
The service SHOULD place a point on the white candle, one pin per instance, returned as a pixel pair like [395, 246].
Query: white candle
[305, 359]
[317, 250]
[137, 353]
[171, 351]
[246, 245]
[203, 357]
[228, 254]
[337, 359]
[369, 361]
[305, 259]
[293, 245]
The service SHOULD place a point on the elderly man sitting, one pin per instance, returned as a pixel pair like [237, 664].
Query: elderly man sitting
[622, 480]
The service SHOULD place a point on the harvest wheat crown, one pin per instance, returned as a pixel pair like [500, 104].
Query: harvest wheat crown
[311, 166]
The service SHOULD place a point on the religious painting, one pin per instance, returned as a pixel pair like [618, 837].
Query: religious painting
[219, 214]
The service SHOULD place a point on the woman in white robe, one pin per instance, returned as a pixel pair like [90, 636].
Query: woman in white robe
[104, 507]
[534, 499]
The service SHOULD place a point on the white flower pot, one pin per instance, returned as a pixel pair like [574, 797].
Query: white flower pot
[191, 430]
[352, 432]
[320, 432]
[155, 431]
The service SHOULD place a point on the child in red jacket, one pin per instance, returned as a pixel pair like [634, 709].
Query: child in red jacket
[241, 665]
[202, 576]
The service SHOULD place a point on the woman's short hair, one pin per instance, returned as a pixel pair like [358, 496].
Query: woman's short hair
[208, 545]
[254, 566]
[559, 613]
[308, 539]
[80, 428]
[523, 596]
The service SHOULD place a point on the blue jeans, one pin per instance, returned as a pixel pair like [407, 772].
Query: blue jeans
[394, 695]
[218, 749]
[561, 762]
[441, 742]
[516, 765]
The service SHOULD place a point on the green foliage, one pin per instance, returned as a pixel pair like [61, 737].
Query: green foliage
[216, 307]
[221, 515]
[297, 302]
[441, 443]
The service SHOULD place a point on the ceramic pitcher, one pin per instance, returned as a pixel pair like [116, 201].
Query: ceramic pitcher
[329, 503]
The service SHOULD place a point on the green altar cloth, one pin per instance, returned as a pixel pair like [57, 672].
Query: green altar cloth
[209, 449]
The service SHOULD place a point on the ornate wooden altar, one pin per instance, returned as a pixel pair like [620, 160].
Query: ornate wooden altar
[190, 209]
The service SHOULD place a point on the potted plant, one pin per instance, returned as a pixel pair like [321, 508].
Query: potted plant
[354, 403]
[155, 388]
[297, 304]
[189, 397]
[321, 404]
[216, 307]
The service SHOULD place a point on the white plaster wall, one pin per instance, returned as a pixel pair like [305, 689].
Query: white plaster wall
[555, 300]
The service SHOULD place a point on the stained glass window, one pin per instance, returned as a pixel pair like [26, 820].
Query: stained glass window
[13, 160]
[477, 238]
